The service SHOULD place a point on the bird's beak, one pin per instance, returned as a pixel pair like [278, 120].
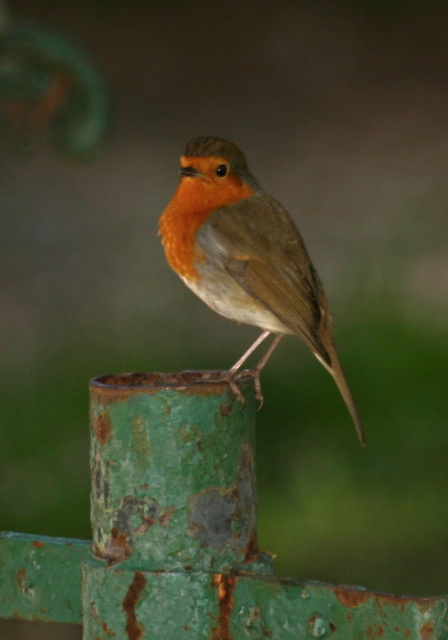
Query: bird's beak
[189, 171]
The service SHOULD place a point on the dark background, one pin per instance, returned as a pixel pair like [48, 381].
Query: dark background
[341, 109]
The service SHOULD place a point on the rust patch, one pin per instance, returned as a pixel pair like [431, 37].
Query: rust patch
[166, 516]
[102, 427]
[252, 549]
[21, 580]
[144, 526]
[39, 544]
[225, 409]
[108, 631]
[374, 632]
[119, 537]
[427, 631]
[396, 601]
[351, 597]
[134, 629]
[225, 585]
[109, 389]
[116, 549]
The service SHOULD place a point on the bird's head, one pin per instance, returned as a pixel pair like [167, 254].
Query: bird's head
[216, 161]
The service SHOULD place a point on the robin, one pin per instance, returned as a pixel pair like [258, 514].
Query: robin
[238, 249]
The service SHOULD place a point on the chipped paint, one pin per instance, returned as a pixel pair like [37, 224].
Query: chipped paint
[211, 514]
[317, 626]
[119, 545]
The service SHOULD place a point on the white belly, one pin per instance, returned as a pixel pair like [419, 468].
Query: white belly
[227, 298]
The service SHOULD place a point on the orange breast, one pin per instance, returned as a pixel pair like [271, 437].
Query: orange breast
[193, 202]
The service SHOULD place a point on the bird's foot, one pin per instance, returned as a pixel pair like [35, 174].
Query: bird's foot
[231, 378]
[235, 389]
[258, 392]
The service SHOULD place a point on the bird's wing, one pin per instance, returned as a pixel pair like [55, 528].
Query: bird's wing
[258, 244]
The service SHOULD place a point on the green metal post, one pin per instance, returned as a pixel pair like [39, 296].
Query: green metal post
[173, 473]
[173, 490]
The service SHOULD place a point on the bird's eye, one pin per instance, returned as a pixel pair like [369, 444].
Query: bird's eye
[221, 171]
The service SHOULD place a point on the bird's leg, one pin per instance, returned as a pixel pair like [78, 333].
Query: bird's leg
[247, 353]
[255, 372]
[239, 363]
[258, 369]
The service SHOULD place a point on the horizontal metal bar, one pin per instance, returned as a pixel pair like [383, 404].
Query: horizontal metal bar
[40, 577]
[170, 605]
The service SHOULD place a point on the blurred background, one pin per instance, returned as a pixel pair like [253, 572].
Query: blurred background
[341, 108]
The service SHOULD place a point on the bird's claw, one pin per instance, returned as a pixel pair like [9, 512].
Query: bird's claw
[236, 390]
[258, 392]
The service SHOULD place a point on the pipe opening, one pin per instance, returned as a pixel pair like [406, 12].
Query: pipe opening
[163, 380]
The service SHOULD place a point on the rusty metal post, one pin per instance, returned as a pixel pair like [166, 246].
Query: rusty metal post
[173, 482]
[173, 472]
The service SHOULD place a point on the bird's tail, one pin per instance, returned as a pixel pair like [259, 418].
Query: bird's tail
[335, 370]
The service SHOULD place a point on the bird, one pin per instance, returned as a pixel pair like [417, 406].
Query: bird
[238, 249]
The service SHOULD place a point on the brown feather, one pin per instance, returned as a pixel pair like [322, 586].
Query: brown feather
[275, 269]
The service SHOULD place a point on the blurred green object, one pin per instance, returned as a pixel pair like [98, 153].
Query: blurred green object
[48, 81]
